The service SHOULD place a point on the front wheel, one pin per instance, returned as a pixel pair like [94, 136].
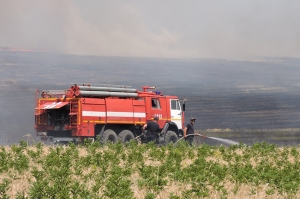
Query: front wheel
[171, 136]
[109, 136]
[126, 136]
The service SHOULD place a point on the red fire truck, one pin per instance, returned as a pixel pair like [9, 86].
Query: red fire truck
[107, 112]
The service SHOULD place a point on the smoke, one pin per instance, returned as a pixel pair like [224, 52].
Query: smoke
[193, 29]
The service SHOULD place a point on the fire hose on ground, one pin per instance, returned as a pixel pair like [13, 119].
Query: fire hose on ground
[230, 142]
[196, 134]
[177, 140]
[137, 136]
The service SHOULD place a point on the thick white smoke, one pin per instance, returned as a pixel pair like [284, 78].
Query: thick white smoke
[192, 29]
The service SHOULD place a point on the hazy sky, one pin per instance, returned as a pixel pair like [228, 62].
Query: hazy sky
[231, 29]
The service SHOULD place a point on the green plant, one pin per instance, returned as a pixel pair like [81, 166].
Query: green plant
[150, 195]
[4, 186]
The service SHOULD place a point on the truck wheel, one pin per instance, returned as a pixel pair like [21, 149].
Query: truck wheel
[109, 136]
[171, 136]
[126, 136]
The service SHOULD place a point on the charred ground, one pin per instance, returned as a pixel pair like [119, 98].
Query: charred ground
[239, 100]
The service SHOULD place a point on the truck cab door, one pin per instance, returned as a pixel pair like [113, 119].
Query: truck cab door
[156, 109]
[176, 112]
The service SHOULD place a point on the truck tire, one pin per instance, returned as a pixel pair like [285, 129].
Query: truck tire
[126, 136]
[171, 136]
[109, 136]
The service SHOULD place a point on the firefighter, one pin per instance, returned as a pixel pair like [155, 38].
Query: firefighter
[152, 130]
[188, 132]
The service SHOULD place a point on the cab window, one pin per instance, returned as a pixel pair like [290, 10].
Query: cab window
[155, 103]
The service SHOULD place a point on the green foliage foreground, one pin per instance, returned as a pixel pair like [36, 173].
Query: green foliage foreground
[146, 171]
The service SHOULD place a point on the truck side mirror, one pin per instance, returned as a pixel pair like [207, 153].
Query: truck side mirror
[183, 107]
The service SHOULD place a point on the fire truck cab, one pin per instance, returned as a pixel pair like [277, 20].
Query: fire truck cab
[108, 113]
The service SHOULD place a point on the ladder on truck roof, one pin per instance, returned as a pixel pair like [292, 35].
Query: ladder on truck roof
[107, 85]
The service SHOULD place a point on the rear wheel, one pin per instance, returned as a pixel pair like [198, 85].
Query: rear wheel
[109, 136]
[126, 136]
[171, 136]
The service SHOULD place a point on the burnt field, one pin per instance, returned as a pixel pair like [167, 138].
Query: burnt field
[249, 118]
[239, 100]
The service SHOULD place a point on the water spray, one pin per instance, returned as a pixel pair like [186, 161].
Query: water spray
[231, 142]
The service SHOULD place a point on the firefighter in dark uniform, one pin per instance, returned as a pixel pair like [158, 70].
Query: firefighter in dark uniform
[152, 130]
[189, 131]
